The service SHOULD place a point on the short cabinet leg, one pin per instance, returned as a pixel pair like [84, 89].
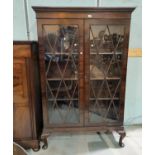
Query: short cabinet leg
[36, 149]
[45, 145]
[122, 135]
[99, 133]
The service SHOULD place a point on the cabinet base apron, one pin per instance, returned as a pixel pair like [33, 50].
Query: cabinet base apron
[107, 130]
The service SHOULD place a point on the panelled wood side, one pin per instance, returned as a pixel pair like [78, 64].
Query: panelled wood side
[25, 102]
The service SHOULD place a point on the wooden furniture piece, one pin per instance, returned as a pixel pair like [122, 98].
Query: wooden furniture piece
[83, 61]
[27, 114]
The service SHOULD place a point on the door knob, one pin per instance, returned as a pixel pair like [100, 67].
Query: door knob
[81, 53]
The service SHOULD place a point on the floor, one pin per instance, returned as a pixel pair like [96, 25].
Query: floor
[94, 144]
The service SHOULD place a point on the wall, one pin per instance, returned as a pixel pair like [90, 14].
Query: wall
[133, 108]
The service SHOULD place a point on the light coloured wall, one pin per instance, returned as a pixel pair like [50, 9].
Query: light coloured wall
[19, 23]
[133, 101]
[133, 112]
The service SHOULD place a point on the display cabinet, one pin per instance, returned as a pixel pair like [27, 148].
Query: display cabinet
[83, 62]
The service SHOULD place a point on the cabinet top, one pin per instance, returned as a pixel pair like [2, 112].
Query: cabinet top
[24, 42]
[83, 9]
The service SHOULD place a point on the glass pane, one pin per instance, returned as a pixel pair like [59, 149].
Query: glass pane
[106, 38]
[62, 61]
[63, 111]
[99, 113]
[61, 39]
[106, 49]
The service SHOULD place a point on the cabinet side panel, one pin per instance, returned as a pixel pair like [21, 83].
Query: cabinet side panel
[124, 71]
[21, 121]
[22, 127]
[35, 84]
[20, 89]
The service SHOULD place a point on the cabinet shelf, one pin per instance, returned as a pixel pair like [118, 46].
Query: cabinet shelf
[115, 98]
[62, 99]
[108, 78]
[106, 53]
[93, 53]
[63, 53]
[59, 79]
[92, 79]
[67, 99]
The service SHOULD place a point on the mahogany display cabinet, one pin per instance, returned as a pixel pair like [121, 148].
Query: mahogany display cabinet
[83, 62]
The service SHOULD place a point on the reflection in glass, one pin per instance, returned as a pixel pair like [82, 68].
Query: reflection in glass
[61, 39]
[105, 38]
[99, 113]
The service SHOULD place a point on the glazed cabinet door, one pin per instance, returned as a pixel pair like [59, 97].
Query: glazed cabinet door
[105, 66]
[61, 65]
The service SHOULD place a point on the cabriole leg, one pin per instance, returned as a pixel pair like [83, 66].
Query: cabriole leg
[36, 149]
[122, 136]
[45, 145]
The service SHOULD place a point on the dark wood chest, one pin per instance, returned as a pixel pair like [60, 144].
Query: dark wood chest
[27, 113]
